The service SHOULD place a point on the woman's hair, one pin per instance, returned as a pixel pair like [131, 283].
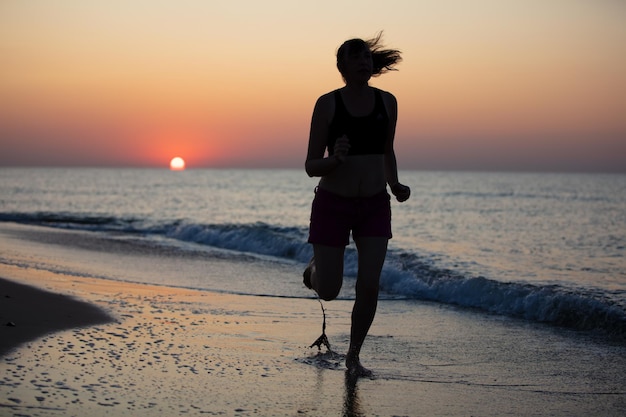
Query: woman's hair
[384, 59]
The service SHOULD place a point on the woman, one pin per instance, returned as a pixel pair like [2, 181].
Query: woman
[356, 124]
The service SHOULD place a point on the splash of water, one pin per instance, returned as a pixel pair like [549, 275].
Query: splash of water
[322, 340]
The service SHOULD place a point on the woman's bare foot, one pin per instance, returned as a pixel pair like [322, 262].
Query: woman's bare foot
[355, 368]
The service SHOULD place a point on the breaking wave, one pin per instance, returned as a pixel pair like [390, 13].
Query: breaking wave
[405, 275]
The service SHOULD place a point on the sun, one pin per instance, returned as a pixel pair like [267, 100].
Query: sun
[177, 164]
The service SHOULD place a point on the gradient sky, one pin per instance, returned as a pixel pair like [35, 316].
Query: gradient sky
[484, 85]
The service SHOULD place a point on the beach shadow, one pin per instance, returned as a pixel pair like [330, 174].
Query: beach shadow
[28, 313]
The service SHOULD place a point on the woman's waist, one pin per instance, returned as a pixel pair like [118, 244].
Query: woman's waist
[381, 194]
[352, 189]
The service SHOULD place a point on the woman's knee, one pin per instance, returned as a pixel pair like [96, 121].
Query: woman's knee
[367, 289]
[328, 292]
[328, 271]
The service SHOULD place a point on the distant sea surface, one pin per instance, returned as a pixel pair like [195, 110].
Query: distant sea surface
[541, 247]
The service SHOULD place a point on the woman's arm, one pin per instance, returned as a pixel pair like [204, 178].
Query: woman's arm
[400, 191]
[316, 164]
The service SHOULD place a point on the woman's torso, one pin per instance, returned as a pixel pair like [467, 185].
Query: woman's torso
[358, 176]
[362, 173]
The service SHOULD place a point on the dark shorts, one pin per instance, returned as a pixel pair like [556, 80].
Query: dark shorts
[334, 216]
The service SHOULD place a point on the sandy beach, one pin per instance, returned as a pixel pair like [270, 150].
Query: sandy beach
[163, 352]
[177, 352]
[82, 346]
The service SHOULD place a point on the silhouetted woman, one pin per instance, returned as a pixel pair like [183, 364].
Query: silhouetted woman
[356, 124]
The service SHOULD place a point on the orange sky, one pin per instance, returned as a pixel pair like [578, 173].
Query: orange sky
[485, 84]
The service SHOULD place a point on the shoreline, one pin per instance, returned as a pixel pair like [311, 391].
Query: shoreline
[151, 350]
[159, 351]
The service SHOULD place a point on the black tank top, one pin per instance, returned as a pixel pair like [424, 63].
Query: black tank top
[367, 134]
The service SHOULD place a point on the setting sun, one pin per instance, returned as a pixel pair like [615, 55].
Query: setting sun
[177, 164]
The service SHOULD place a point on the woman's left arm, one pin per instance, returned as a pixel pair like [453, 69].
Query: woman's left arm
[400, 191]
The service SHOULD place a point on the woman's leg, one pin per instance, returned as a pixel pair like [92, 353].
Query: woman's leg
[372, 252]
[326, 272]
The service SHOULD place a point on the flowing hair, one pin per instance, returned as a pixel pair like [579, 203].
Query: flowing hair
[384, 60]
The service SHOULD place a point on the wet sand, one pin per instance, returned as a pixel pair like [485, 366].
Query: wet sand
[84, 346]
[166, 352]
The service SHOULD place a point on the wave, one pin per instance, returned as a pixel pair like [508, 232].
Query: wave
[405, 275]
[577, 308]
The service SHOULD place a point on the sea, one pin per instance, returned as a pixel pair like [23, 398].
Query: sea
[546, 248]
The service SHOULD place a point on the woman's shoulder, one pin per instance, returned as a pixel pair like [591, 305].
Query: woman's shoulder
[326, 103]
[386, 95]
[391, 104]
[328, 97]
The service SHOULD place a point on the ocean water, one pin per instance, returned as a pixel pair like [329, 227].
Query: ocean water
[546, 248]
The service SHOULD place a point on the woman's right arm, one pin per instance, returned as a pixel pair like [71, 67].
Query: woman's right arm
[316, 164]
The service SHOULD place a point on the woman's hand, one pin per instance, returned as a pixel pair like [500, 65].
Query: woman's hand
[402, 192]
[341, 148]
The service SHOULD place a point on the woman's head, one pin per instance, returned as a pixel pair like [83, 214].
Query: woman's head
[382, 60]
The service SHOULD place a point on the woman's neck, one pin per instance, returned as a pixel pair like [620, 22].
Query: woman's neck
[357, 89]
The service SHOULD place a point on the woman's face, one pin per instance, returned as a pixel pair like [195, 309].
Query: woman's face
[357, 65]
